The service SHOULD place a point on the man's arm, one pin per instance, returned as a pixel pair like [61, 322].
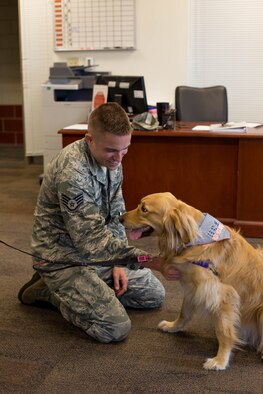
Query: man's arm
[87, 228]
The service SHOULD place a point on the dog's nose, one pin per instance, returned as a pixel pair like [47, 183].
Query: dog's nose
[121, 219]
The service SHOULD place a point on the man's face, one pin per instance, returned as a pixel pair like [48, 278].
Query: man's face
[108, 149]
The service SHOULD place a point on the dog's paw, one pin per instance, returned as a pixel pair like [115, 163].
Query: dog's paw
[215, 364]
[167, 326]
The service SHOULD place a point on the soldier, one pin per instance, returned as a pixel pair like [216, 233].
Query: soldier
[77, 224]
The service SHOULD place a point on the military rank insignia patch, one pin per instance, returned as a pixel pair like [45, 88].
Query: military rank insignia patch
[72, 203]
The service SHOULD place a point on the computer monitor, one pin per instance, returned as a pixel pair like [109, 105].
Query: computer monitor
[128, 91]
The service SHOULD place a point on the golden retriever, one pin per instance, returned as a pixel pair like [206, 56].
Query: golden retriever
[224, 276]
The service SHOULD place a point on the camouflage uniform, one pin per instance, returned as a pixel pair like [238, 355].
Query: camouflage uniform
[77, 221]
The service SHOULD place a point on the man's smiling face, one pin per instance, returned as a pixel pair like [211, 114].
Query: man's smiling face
[108, 149]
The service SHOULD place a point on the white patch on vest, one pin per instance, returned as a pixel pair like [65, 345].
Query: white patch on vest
[211, 230]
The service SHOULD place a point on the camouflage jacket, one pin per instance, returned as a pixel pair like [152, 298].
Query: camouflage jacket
[77, 212]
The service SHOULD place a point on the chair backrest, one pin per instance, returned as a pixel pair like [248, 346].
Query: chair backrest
[201, 104]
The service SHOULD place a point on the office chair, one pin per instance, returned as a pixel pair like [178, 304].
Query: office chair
[201, 104]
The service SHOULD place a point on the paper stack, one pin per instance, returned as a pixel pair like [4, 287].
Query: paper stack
[230, 126]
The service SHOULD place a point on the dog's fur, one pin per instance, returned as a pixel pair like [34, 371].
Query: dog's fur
[233, 299]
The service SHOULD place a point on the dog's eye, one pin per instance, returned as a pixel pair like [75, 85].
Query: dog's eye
[144, 209]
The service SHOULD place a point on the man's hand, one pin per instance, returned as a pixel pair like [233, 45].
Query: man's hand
[169, 272]
[120, 281]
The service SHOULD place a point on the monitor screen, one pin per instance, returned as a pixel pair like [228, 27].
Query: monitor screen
[128, 91]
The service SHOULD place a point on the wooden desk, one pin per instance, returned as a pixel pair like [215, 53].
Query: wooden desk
[219, 173]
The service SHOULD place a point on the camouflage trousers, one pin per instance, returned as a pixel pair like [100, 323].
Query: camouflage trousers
[85, 298]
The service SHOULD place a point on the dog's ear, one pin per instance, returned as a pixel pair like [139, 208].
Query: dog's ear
[180, 228]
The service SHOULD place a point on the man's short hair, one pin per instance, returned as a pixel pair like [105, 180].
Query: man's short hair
[111, 118]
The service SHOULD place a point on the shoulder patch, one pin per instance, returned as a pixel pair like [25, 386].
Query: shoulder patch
[72, 203]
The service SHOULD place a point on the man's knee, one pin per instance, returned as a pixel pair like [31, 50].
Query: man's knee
[109, 332]
[112, 326]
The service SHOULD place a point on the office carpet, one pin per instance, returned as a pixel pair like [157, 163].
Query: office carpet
[41, 353]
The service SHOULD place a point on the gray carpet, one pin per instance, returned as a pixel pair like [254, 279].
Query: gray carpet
[42, 353]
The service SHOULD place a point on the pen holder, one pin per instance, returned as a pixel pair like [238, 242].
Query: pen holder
[169, 120]
[162, 110]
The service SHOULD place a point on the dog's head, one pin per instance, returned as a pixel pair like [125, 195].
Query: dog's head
[175, 222]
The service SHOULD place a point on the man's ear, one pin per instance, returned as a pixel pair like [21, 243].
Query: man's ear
[88, 137]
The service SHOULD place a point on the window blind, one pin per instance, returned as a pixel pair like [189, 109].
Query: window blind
[226, 48]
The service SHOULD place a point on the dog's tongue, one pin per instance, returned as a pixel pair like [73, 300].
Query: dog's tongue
[135, 234]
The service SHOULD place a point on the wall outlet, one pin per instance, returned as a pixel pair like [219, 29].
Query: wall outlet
[89, 61]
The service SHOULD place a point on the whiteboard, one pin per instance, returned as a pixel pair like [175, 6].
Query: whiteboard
[81, 25]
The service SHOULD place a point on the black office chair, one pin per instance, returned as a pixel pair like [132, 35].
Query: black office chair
[201, 104]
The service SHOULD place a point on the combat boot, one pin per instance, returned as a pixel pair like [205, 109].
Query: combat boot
[34, 292]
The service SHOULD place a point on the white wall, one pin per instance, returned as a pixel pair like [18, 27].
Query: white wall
[161, 41]
[161, 55]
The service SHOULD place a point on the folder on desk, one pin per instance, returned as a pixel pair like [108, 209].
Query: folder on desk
[229, 126]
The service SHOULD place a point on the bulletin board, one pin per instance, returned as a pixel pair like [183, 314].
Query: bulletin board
[81, 25]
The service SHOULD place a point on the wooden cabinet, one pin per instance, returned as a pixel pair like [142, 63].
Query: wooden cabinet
[219, 173]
